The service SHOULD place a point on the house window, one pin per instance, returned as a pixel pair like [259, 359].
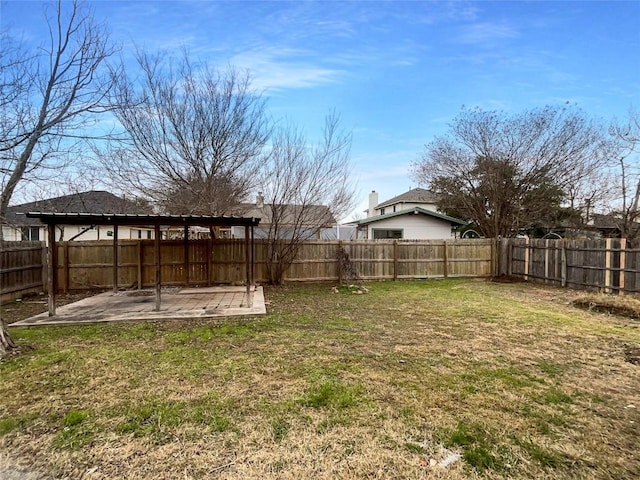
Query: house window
[382, 211]
[30, 234]
[386, 233]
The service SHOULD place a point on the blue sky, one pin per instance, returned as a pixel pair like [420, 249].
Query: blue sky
[397, 72]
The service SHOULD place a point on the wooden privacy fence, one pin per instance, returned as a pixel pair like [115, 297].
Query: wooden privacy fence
[604, 264]
[89, 264]
[22, 269]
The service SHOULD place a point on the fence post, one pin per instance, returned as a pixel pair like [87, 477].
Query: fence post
[43, 255]
[526, 259]
[209, 257]
[546, 261]
[139, 252]
[494, 256]
[185, 246]
[395, 260]
[446, 263]
[510, 248]
[623, 264]
[502, 256]
[65, 265]
[340, 258]
[563, 264]
[607, 265]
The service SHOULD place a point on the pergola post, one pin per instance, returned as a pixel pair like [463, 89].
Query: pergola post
[247, 256]
[115, 258]
[253, 256]
[158, 263]
[186, 255]
[51, 270]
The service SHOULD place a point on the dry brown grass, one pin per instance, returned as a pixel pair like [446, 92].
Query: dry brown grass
[383, 385]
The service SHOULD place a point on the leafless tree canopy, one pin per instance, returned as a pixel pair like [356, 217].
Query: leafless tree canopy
[298, 179]
[505, 172]
[47, 95]
[193, 136]
[626, 135]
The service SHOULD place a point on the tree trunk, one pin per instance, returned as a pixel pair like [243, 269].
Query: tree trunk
[6, 342]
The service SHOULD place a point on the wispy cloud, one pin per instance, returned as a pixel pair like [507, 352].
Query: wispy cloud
[485, 33]
[277, 68]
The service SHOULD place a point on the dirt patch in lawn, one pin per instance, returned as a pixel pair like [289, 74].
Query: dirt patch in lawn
[625, 306]
[632, 354]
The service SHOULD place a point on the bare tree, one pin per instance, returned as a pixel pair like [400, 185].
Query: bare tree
[193, 135]
[306, 188]
[48, 97]
[508, 173]
[626, 136]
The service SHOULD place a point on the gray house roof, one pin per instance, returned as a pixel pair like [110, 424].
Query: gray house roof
[94, 201]
[412, 211]
[415, 195]
[315, 215]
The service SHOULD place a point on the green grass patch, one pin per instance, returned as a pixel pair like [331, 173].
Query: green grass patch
[279, 429]
[479, 447]
[551, 369]
[16, 423]
[543, 456]
[76, 431]
[332, 394]
[554, 396]
[153, 418]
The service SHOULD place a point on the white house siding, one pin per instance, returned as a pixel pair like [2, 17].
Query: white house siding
[10, 234]
[414, 227]
[70, 231]
[404, 206]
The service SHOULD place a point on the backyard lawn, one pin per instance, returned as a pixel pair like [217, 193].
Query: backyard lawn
[388, 384]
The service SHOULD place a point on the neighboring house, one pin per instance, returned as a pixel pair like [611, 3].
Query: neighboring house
[17, 226]
[416, 197]
[410, 216]
[314, 221]
[411, 224]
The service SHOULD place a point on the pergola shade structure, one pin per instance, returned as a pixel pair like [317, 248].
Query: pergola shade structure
[141, 220]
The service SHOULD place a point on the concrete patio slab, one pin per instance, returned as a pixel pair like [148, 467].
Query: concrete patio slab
[130, 305]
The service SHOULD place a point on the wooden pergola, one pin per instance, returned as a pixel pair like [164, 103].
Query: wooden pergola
[148, 221]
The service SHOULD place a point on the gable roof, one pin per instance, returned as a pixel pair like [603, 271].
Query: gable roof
[411, 211]
[315, 215]
[415, 195]
[94, 201]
